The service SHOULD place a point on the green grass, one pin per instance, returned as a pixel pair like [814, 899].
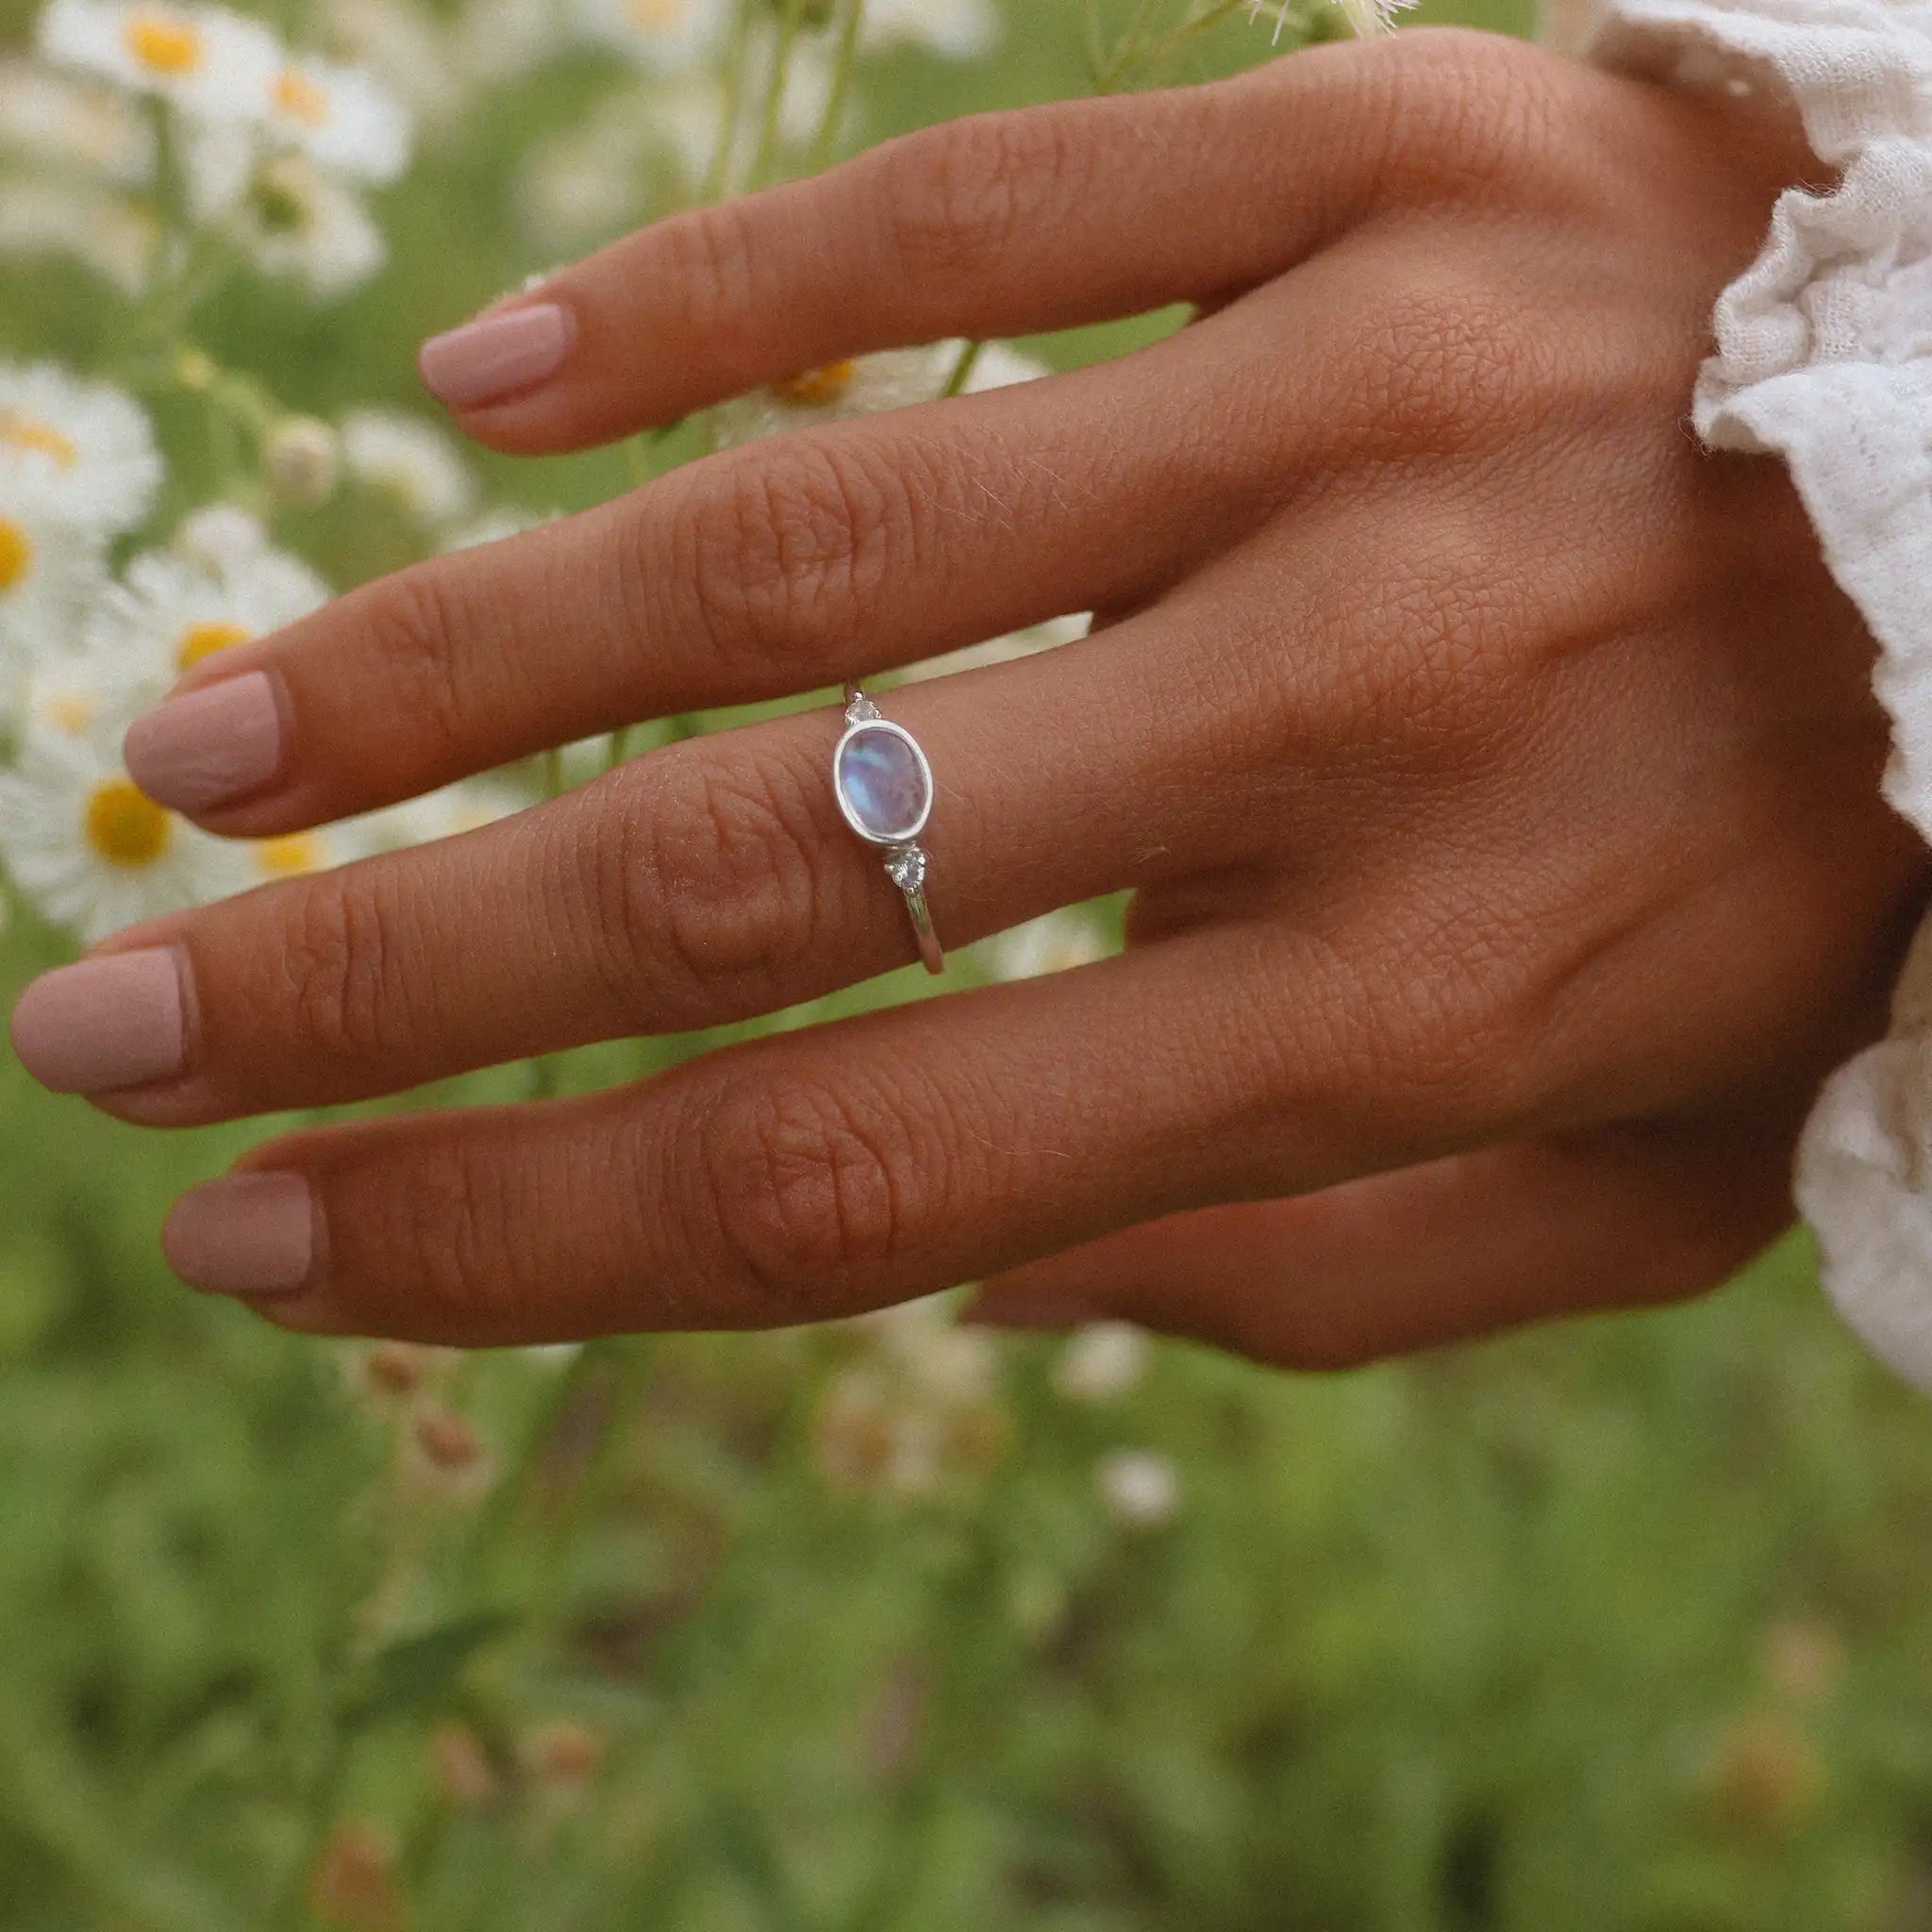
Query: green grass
[1619, 1627]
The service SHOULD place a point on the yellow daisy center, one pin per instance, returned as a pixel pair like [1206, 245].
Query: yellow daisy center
[816, 388]
[201, 641]
[300, 99]
[293, 854]
[24, 433]
[71, 712]
[163, 43]
[656, 16]
[16, 554]
[125, 827]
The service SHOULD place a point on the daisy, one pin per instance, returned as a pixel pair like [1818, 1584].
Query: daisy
[340, 118]
[74, 123]
[954, 29]
[409, 461]
[168, 615]
[671, 36]
[49, 566]
[211, 64]
[292, 218]
[89, 447]
[82, 696]
[299, 222]
[92, 852]
[889, 380]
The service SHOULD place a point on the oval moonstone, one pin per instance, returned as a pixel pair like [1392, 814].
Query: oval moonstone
[884, 784]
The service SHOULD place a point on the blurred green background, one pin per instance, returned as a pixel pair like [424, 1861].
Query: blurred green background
[1618, 1627]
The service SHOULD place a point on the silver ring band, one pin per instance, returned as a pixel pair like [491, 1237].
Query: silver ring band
[884, 791]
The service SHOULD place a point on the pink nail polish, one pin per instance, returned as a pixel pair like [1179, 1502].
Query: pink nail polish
[106, 1024]
[497, 355]
[207, 747]
[246, 1234]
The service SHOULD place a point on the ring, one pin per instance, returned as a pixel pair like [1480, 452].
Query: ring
[884, 787]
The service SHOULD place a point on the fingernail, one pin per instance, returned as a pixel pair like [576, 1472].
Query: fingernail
[245, 1233]
[207, 747]
[106, 1024]
[496, 356]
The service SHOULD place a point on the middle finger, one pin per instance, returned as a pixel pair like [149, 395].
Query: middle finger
[793, 563]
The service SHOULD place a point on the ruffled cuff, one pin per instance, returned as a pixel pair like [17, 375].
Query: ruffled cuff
[1824, 357]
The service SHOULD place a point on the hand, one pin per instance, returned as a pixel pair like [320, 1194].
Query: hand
[1497, 772]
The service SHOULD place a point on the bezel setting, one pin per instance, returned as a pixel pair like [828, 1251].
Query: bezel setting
[861, 726]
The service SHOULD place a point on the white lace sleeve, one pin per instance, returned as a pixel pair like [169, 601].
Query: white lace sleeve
[1824, 357]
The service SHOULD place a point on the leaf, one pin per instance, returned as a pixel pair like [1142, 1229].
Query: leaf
[415, 1674]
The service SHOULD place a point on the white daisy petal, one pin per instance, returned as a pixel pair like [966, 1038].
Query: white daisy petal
[669, 35]
[954, 29]
[340, 118]
[90, 447]
[91, 853]
[411, 462]
[49, 566]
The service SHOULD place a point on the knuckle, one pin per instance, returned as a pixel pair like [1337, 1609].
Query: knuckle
[709, 876]
[1456, 1032]
[447, 1234]
[410, 623]
[1473, 113]
[708, 275]
[787, 552]
[955, 197]
[1449, 361]
[810, 1186]
[348, 995]
[1456, 641]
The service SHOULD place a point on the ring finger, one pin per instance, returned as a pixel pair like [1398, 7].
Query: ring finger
[711, 880]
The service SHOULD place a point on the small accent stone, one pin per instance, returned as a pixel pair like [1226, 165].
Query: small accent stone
[906, 868]
[884, 783]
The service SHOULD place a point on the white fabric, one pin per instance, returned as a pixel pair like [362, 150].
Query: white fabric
[1824, 357]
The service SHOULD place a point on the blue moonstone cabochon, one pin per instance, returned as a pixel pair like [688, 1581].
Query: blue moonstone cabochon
[883, 783]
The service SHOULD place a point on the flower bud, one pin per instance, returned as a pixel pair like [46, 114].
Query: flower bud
[447, 1441]
[354, 1884]
[396, 1368]
[301, 458]
[459, 1763]
[564, 1754]
[1140, 1489]
[1101, 1363]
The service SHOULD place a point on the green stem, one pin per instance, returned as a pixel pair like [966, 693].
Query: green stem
[845, 62]
[737, 60]
[771, 121]
[1127, 51]
[962, 371]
